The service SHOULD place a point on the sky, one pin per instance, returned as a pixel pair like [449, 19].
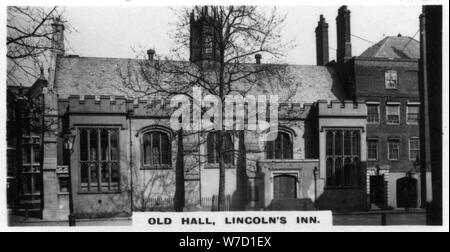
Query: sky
[114, 31]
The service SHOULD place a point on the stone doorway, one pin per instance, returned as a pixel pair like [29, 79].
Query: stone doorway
[285, 187]
[407, 192]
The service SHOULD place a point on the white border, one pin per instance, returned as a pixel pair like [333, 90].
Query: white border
[445, 105]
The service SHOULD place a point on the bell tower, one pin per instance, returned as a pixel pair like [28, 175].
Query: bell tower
[204, 37]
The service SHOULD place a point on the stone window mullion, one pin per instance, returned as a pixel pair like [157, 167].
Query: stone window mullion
[108, 158]
[89, 157]
[98, 161]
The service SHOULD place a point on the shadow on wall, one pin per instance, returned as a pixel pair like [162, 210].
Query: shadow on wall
[346, 199]
[336, 87]
[342, 200]
[311, 134]
[305, 204]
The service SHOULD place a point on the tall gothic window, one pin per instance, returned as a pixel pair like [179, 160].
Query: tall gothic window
[157, 149]
[213, 148]
[281, 148]
[343, 157]
[99, 159]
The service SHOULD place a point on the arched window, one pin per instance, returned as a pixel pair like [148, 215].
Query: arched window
[281, 148]
[213, 148]
[157, 149]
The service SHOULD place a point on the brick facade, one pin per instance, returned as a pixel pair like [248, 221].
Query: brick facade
[364, 78]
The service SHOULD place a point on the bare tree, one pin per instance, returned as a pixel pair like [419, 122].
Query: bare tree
[236, 35]
[30, 39]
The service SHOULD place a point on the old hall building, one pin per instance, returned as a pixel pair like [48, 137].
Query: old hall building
[347, 140]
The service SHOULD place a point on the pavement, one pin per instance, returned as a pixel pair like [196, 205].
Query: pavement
[20, 221]
[371, 218]
[416, 217]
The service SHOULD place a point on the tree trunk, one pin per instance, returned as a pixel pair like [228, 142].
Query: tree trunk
[241, 174]
[221, 201]
[179, 177]
[221, 205]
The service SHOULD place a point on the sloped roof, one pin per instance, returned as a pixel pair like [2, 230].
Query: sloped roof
[395, 47]
[104, 76]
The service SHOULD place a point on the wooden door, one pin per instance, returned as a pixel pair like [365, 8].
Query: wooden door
[285, 187]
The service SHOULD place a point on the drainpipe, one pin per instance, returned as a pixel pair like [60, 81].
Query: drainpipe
[41, 153]
[131, 162]
[315, 171]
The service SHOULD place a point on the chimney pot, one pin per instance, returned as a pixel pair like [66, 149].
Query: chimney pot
[258, 58]
[150, 54]
[344, 44]
[322, 42]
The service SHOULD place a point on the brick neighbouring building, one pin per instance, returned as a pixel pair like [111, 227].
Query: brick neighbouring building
[113, 174]
[386, 77]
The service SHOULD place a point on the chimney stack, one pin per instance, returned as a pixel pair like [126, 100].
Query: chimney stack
[58, 37]
[258, 58]
[322, 42]
[150, 54]
[344, 44]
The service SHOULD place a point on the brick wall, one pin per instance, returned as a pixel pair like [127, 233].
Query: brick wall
[370, 86]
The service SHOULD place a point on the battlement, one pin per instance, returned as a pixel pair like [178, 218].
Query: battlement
[96, 104]
[102, 104]
[340, 109]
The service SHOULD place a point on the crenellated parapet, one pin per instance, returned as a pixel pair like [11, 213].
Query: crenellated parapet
[342, 108]
[100, 104]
